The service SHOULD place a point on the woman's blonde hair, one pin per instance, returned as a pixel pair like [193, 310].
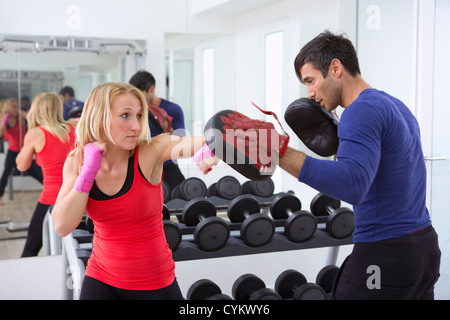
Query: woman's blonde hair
[96, 116]
[47, 111]
[7, 104]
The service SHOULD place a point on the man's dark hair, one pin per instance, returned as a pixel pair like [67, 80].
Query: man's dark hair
[321, 50]
[67, 90]
[142, 80]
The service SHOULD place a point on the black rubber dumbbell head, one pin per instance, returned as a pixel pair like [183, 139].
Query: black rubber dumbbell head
[300, 224]
[211, 233]
[256, 229]
[205, 289]
[192, 188]
[173, 234]
[291, 284]
[326, 276]
[340, 221]
[228, 187]
[261, 188]
[251, 287]
[166, 191]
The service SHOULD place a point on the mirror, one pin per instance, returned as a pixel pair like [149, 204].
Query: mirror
[206, 56]
[30, 65]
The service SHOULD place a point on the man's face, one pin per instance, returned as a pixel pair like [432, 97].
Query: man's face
[326, 91]
[64, 97]
[149, 94]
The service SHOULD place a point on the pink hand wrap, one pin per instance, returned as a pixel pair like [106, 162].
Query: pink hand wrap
[5, 119]
[91, 163]
[201, 154]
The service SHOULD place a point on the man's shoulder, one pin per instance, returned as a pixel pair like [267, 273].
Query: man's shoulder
[168, 104]
[171, 108]
[74, 103]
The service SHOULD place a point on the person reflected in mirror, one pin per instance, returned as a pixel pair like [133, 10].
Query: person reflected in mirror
[49, 139]
[67, 94]
[164, 117]
[13, 128]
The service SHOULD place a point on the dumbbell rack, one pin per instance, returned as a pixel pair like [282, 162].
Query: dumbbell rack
[77, 245]
[188, 249]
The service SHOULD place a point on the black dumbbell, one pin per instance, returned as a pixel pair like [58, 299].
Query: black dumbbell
[175, 193]
[192, 188]
[325, 277]
[251, 287]
[89, 224]
[300, 224]
[257, 229]
[293, 284]
[211, 232]
[172, 233]
[205, 289]
[165, 212]
[227, 187]
[261, 188]
[189, 189]
[340, 221]
[84, 255]
[166, 191]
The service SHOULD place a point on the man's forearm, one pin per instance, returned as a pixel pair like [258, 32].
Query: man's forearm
[292, 161]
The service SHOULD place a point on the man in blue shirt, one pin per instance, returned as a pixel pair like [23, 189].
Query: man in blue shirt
[67, 94]
[145, 82]
[380, 170]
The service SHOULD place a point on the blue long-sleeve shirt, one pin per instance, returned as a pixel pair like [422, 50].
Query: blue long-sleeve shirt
[69, 105]
[380, 168]
[175, 111]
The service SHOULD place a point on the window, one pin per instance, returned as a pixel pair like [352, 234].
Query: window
[208, 83]
[273, 82]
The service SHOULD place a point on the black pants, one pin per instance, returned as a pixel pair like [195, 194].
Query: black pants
[10, 163]
[34, 237]
[405, 268]
[172, 175]
[93, 289]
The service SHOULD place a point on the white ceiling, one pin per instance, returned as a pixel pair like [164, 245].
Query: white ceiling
[237, 7]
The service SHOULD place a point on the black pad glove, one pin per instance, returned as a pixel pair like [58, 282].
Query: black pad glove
[316, 127]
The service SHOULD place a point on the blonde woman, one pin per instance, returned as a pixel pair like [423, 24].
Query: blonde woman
[115, 175]
[13, 128]
[50, 138]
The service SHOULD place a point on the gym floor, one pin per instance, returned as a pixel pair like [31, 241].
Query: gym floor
[20, 209]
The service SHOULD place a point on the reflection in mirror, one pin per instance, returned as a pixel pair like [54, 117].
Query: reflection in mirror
[30, 65]
[227, 35]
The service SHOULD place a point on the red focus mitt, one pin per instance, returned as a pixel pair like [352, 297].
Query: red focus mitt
[251, 147]
[160, 119]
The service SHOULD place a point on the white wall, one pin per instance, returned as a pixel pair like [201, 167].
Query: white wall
[239, 63]
[239, 79]
[146, 20]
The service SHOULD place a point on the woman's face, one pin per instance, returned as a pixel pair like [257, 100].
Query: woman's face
[126, 112]
[14, 108]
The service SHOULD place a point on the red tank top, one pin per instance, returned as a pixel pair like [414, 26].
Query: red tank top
[130, 250]
[15, 137]
[51, 159]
